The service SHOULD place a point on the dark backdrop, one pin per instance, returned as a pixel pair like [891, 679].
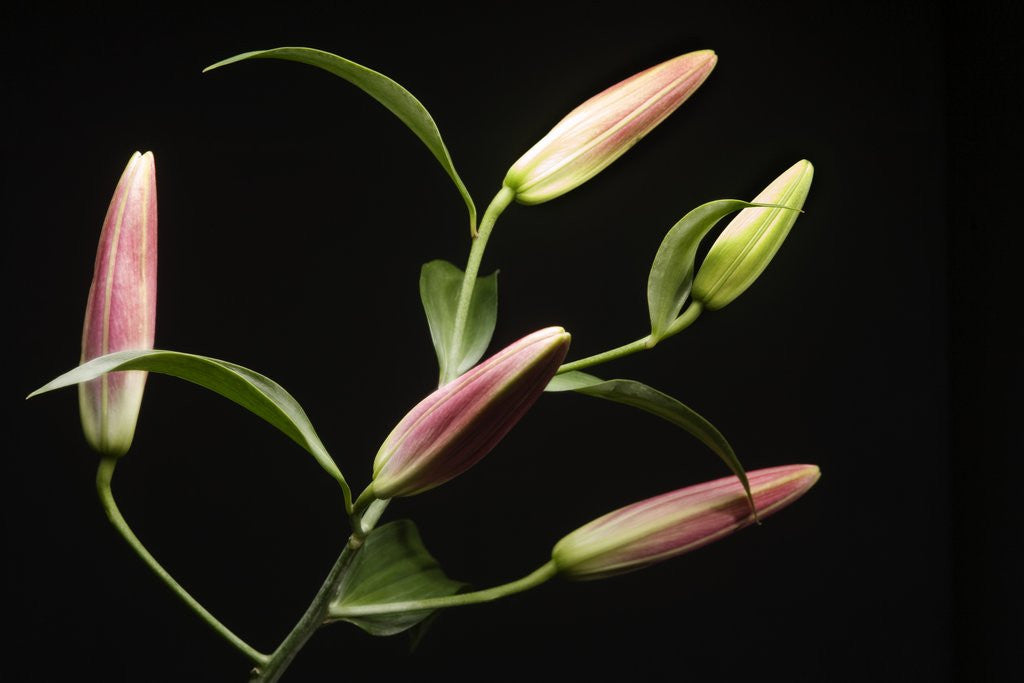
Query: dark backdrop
[294, 215]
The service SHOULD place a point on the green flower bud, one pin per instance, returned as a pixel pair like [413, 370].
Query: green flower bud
[751, 239]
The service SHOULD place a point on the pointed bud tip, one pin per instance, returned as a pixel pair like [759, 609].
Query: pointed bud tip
[146, 161]
[121, 306]
[709, 57]
[604, 127]
[454, 427]
[677, 522]
[751, 239]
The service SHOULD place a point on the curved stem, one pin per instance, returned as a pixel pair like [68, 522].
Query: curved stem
[542, 574]
[103, 478]
[318, 611]
[476, 254]
[678, 325]
[685, 319]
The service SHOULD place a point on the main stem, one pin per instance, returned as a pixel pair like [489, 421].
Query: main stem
[317, 612]
[476, 254]
[103, 478]
[315, 615]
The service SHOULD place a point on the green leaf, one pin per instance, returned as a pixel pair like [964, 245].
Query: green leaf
[393, 566]
[397, 99]
[251, 390]
[639, 395]
[672, 271]
[440, 283]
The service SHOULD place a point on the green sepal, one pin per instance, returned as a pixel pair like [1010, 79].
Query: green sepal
[639, 395]
[440, 282]
[251, 390]
[393, 96]
[392, 566]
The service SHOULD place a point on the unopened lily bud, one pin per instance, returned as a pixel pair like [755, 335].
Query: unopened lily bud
[675, 523]
[452, 429]
[121, 311]
[600, 130]
[751, 239]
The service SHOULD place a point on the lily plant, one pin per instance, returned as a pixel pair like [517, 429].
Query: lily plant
[384, 581]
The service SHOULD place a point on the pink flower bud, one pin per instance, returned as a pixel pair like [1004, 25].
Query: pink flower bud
[452, 429]
[600, 130]
[675, 523]
[121, 312]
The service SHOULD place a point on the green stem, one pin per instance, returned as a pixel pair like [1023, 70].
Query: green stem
[365, 499]
[103, 478]
[677, 326]
[476, 254]
[372, 515]
[318, 611]
[314, 618]
[533, 580]
[685, 319]
[619, 352]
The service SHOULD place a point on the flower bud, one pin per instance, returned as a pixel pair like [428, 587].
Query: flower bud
[452, 429]
[751, 239]
[121, 311]
[600, 130]
[674, 523]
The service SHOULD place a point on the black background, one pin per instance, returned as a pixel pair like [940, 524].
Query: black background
[294, 215]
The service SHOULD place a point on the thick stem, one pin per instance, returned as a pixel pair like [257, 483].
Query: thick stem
[103, 478]
[318, 611]
[678, 325]
[476, 254]
[533, 580]
[313, 619]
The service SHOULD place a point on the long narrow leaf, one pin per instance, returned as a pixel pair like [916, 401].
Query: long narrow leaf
[251, 390]
[672, 271]
[397, 99]
[639, 395]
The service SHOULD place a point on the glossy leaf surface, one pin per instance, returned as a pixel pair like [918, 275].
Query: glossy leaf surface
[392, 566]
[440, 283]
[393, 96]
[639, 395]
[251, 390]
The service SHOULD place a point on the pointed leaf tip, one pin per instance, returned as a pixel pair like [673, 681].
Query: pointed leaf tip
[638, 395]
[256, 393]
[388, 92]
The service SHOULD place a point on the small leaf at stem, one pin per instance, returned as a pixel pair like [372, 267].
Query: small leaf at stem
[440, 283]
[251, 390]
[393, 566]
[672, 271]
[639, 395]
[397, 99]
